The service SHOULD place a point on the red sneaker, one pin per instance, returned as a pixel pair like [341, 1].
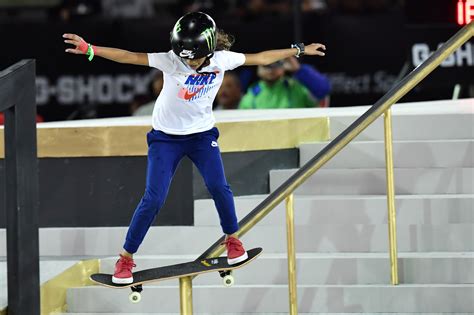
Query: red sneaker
[235, 251]
[123, 271]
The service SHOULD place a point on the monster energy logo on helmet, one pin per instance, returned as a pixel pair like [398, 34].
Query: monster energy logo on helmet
[194, 36]
[210, 36]
[177, 27]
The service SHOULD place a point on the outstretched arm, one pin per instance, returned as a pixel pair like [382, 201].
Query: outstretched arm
[114, 54]
[270, 56]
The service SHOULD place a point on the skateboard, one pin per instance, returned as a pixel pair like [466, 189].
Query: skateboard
[191, 268]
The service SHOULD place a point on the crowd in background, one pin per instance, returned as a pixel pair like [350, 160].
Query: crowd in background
[358, 76]
[67, 10]
[285, 84]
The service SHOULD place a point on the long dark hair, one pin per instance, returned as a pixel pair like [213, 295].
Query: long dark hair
[224, 40]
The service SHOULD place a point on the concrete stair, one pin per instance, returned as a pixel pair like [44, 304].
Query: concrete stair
[406, 154]
[352, 209]
[326, 238]
[274, 298]
[415, 123]
[407, 181]
[333, 268]
[341, 231]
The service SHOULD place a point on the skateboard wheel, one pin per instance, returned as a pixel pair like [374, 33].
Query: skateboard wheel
[135, 297]
[228, 280]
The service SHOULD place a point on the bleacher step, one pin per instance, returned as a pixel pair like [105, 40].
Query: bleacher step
[274, 298]
[408, 181]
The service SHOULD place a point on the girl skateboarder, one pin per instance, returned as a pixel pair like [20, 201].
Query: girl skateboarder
[183, 122]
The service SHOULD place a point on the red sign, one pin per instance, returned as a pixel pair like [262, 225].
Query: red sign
[465, 11]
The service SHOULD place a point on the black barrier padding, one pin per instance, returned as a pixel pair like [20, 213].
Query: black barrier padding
[248, 172]
[20, 180]
[104, 191]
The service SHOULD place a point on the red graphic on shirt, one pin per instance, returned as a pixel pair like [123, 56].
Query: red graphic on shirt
[187, 95]
[197, 85]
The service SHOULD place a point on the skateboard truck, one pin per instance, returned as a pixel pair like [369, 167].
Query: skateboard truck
[135, 296]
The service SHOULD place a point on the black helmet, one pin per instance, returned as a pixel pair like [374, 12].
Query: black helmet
[194, 36]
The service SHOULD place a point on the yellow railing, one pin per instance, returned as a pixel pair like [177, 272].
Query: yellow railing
[290, 239]
[392, 223]
[285, 191]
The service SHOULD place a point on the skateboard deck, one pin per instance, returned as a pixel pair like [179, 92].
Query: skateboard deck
[176, 271]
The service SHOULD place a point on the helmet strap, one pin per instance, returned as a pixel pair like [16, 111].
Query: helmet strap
[205, 64]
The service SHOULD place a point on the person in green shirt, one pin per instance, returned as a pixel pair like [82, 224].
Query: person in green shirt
[276, 90]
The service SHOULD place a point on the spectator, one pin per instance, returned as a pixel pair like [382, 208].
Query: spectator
[277, 90]
[137, 106]
[229, 94]
[155, 87]
[128, 8]
[313, 5]
[257, 9]
[361, 7]
[72, 9]
[209, 6]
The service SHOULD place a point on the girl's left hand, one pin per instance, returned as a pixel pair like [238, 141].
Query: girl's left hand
[314, 49]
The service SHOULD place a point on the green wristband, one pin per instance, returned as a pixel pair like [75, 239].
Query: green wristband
[90, 52]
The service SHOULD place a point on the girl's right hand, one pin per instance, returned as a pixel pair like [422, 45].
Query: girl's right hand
[80, 44]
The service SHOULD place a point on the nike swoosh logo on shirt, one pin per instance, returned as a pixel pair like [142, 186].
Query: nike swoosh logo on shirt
[188, 95]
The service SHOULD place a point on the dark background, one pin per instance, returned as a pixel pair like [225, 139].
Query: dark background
[367, 51]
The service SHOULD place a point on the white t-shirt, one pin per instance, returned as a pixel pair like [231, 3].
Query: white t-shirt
[184, 106]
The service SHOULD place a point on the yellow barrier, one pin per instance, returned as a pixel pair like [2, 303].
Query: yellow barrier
[131, 140]
[53, 292]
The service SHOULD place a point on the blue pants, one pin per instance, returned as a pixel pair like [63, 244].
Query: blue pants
[164, 153]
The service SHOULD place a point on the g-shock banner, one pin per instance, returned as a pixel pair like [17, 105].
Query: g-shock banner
[68, 84]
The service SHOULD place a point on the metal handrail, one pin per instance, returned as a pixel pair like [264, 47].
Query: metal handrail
[381, 106]
[285, 191]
